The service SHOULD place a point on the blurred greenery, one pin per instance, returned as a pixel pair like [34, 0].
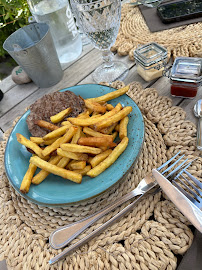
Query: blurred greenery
[13, 15]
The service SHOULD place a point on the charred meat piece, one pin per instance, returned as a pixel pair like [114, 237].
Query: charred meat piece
[49, 105]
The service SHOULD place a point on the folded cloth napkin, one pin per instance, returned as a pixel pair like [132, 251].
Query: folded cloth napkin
[193, 257]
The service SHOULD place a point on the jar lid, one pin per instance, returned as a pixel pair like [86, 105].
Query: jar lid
[187, 69]
[150, 54]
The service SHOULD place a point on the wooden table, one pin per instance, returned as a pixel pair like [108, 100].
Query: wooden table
[18, 97]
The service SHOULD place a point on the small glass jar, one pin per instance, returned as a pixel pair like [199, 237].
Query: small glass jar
[186, 77]
[151, 60]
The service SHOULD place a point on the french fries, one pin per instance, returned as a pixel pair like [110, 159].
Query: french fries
[75, 177]
[77, 165]
[72, 155]
[65, 138]
[118, 150]
[96, 141]
[60, 116]
[83, 171]
[31, 145]
[99, 158]
[113, 119]
[80, 146]
[95, 106]
[111, 95]
[123, 127]
[56, 133]
[45, 124]
[90, 121]
[39, 177]
[26, 182]
[93, 133]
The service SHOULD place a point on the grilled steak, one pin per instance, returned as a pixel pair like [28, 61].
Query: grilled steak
[49, 105]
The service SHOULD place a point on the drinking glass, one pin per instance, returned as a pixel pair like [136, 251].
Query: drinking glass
[100, 21]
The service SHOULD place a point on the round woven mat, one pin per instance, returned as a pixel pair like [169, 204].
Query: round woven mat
[180, 41]
[151, 236]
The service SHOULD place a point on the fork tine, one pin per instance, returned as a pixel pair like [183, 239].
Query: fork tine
[195, 202]
[183, 191]
[192, 185]
[177, 168]
[196, 181]
[167, 162]
[188, 188]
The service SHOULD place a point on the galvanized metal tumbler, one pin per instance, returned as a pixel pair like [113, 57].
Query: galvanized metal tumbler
[33, 49]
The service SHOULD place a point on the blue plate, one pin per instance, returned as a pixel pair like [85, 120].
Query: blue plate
[56, 191]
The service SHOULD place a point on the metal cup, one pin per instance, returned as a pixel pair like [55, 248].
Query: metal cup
[33, 49]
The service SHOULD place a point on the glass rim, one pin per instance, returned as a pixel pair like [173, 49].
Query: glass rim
[94, 2]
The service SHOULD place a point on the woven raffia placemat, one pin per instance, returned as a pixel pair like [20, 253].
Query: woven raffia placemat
[151, 236]
[180, 41]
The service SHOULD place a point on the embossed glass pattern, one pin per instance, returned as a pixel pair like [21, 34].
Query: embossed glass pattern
[100, 21]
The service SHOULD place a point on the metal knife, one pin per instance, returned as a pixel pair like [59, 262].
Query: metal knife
[186, 207]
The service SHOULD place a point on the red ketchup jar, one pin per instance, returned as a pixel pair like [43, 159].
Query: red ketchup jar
[186, 77]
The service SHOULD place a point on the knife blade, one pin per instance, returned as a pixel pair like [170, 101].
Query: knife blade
[186, 207]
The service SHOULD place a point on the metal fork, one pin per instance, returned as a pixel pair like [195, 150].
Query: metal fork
[194, 194]
[63, 235]
[145, 186]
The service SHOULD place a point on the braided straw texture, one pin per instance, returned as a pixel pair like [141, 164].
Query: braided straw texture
[151, 236]
[180, 41]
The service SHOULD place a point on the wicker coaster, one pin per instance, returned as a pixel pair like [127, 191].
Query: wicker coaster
[180, 41]
[149, 237]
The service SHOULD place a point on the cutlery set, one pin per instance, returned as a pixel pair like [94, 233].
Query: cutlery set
[180, 186]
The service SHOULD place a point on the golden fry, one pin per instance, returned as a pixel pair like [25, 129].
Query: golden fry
[114, 135]
[99, 158]
[48, 142]
[108, 130]
[93, 133]
[96, 141]
[60, 116]
[96, 115]
[45, 124]
[66, 123]
[117, 127]
[77, 165]
[109, 107]
[110, 95]
[83, 171]
[37, 140]
[84, 115]
[95, 107]
[31, 145]
[56, 133]
[113, 119]
[90, 121]
[123, 127]
[80, 148]
[65, 138]
[72, 155]
[75, 177]
[63, 162]
[118, 150]
[77, 135]
[39, 177]
[27, 179]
